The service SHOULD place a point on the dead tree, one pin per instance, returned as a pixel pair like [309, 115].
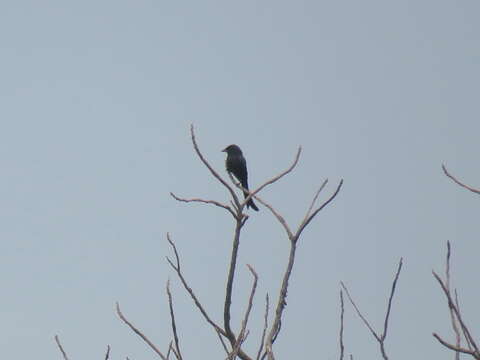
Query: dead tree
[235, 209]
[232, 342]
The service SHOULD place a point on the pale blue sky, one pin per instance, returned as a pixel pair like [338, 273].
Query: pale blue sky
[96, 103]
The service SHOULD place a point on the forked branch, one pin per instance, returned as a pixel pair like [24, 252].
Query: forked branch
[456, 317]
[293, 237]
[211, 169]
[176, 266]
[272, 180]
[380, 337]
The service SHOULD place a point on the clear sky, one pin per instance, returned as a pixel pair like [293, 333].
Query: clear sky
[96, 102]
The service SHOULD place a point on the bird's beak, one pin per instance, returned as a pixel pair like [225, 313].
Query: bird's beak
[224, 150]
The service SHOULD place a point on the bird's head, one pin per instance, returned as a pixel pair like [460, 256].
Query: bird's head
[232, 150]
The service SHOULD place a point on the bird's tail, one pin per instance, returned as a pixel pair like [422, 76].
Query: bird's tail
[250, 202]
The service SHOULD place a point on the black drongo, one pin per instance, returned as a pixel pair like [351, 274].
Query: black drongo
[237, 165]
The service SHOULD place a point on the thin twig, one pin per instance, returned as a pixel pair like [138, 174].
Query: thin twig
[139, 333]
[451, 304]
[210, 168]
[107, 354]
[64, 354]
[171, 349]
[265, 326]
[456, 348]
[365, 321]
[342, 312]
[176, 267]
[174, 326]
[450, 310]
[457, 304]
[392, 292]
[379, 337]
[241, 336]
[307, 220]
[279, 217]
[216, 203]
[220, 337]
[271, 181]
[476, 191]
[314, 200]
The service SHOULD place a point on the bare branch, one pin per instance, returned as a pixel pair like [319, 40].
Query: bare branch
[250, 299]
[212, 171]
[476, 191]
[241, 336]
[265, 184]
[265, 326]
[365, 321]
[107, 354]
[276, 325]
[236, 209]
[379, 337]
[307, 220]
[314, 200]
[231, 274]
[272, 180]
[392, 292]
[174, 326]
[216, 203]
[171, 349]
[469, 345]
[229, 289]
[176, 267]
[64, 354]
[476, 355]
[452, 306]
[279, 217]
[342, 312]
[453, 319]
[220, 337]
[139, 333]
[177, 258]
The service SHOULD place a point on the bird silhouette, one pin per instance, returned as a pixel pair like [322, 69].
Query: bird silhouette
[237, 165]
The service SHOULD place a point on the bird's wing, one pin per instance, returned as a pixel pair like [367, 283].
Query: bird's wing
[238, 167]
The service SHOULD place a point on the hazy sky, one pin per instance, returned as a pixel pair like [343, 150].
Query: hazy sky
[96, 102]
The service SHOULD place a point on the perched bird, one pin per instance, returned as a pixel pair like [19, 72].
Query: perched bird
[237, 165]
